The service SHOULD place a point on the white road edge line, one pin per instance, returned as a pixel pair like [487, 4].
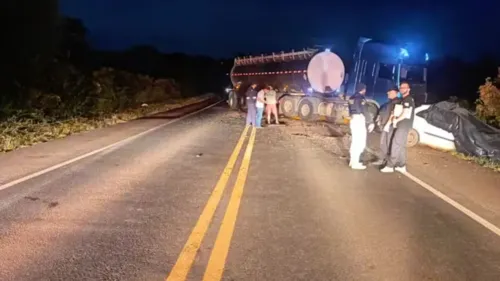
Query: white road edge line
[57, 166]
[450, 201]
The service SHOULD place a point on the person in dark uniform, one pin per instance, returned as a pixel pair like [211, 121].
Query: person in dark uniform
[385, 114]
[251, 97]
[402, 122]
[360, 117]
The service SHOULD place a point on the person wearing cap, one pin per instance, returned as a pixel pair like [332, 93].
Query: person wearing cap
[360, 117]
[251, 98]
[385, 115]
[402, 123]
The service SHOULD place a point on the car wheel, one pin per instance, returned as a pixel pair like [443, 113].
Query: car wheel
[413, 138]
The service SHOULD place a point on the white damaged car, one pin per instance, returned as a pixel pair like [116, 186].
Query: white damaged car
[427, 134]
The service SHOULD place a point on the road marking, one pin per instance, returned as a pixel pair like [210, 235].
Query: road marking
[65, 163]
[450, 201]
[186, 258]
[455, 204]
[216, 263]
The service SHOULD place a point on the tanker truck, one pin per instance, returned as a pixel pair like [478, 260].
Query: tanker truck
[313, 83]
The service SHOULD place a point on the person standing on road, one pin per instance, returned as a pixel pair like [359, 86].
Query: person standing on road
[360, 117]
[385, 115]
[271, 107]
[260, 106]
[402, 124]
[251, 97]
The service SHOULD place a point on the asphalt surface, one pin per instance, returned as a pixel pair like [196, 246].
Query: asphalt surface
[297, 212]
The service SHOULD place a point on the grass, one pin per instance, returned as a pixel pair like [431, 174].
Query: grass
[482, 161]
[16, 133]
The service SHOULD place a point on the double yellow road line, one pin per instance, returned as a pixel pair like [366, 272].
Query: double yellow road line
[217, 260]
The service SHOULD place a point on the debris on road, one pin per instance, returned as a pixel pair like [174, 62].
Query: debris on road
[333, 138]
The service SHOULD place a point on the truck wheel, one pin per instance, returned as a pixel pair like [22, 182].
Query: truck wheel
[413, 138]
[233, 101]
[306, 111]
[287, 106]
[242, 103]
[331, 113]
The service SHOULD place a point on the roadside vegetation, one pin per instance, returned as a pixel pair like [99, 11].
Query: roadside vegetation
[56, 85]
[488, 110]
[482, 161]
[488, 103]
[78, 102]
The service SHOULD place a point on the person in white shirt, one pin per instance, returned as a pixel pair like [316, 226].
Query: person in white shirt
[260, 106]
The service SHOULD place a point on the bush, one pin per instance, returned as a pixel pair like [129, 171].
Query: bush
[488, 104]
[64, 92]
[116, 90]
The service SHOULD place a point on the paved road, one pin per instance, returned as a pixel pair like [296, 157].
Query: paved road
[194, 200]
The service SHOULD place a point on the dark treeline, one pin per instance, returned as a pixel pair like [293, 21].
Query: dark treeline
[452, 77]
[195, 74]
[49, 67]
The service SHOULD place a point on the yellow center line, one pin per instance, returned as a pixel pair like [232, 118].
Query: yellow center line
[220, 251]
[186, 258]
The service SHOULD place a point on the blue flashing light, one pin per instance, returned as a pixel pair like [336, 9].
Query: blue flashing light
[327, 50]
[426, 56]
[404, 53]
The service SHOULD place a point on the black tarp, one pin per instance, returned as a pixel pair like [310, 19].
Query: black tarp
[472, 136]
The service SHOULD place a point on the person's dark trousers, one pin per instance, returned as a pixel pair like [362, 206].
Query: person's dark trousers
[385, 140]
[397, 156]
[251, 113]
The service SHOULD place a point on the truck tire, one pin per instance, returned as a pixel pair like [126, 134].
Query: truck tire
[334, 114]
[413, 138]
[330, 113]
[233, 101]
[287, 106]
[306, 111]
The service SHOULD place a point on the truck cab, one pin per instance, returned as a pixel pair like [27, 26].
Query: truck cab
[381, 66]
[416, 75]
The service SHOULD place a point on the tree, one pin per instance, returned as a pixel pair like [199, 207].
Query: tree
[30, 37]
[73, 44]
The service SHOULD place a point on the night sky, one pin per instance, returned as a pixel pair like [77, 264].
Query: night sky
[223, 28]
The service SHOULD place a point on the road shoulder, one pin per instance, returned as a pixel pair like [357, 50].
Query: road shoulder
[28, 160]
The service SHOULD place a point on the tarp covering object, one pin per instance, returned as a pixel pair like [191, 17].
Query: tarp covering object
[472, 136]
